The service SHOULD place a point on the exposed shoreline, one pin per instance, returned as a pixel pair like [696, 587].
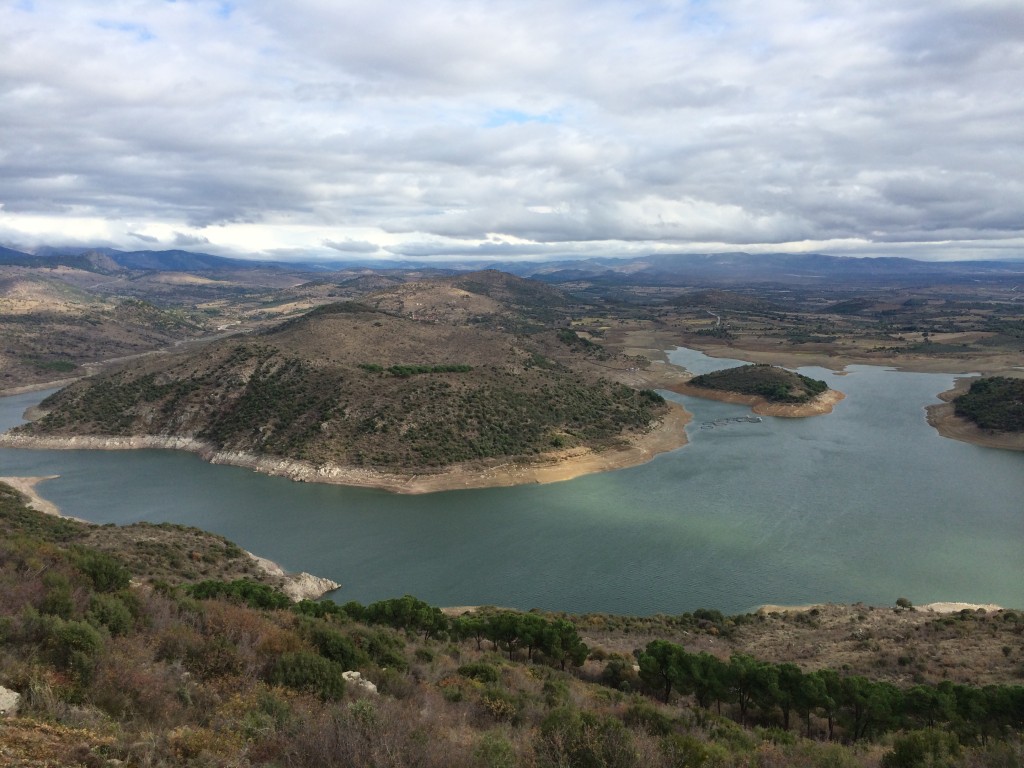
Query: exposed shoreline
[820, 405]
[298, 586]
[942, 416]
[38, 387]
[26, 486]
[666, 435]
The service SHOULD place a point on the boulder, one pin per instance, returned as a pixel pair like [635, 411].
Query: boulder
[9, 701]
[356, 679]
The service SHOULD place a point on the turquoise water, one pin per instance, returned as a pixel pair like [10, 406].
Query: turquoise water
[866, 504]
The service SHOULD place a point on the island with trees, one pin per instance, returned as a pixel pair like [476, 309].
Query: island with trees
[769, 389]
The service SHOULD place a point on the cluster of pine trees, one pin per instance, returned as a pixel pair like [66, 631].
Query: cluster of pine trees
[865, 708]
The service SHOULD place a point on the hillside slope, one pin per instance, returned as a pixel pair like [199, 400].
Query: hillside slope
[351, 385]
[113, 664]
[51, 329]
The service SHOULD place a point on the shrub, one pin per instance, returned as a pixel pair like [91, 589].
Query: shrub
[930, 747]
[642, 715]
[479, 670]
[583, 739]
[494, 751]
[213, 658]
[251, 593]
[106, 572]
[310, 673]
[57, 598]
[336, 647]
[110, 611]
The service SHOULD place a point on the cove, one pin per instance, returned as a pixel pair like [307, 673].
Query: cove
[865, 504]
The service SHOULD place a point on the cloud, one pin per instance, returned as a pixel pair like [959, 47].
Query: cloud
[183, 240]
[558, 127]
[352, 246]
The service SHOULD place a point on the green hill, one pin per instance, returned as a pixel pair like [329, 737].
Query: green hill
[351, 385]
[777, 385]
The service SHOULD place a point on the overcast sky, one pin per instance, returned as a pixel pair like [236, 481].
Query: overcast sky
[519, 128]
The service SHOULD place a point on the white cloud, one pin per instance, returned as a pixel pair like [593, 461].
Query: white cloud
[565, 127]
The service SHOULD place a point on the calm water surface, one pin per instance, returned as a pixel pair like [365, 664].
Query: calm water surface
[866, 504]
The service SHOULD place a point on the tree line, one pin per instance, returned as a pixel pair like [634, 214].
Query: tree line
[862, 708]
[553, 640]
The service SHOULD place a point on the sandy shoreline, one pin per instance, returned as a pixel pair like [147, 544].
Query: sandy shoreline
[27, 487]
[37, 387]
[668, 434]
[822, 404]
[942, 416]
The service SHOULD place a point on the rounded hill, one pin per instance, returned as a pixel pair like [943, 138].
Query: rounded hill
[351, 385]
[774, 384]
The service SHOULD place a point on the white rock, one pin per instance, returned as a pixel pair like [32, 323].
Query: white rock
[356, 679]
[9, 701]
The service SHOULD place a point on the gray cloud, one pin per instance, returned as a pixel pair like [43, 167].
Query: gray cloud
[352, 246]
[560, 127]
[182, 240]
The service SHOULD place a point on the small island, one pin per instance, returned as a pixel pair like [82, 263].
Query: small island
[768, 389]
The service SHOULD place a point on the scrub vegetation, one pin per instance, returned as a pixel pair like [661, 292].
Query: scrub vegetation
[994, 402]
[119, 668]
[351, 385]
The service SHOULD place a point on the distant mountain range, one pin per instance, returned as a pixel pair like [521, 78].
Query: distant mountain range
[109, 260]
[662, 269]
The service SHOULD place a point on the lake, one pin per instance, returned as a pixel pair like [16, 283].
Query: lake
[865, 504]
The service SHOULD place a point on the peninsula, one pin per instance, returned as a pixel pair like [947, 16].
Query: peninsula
[441, 384]
[985, 411]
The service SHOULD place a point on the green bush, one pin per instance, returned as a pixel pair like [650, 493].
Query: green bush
[494, 751]
[252, 593]
[106, 572]
[929, 748]
[336, 647]
[578, 739]
[75, 646]
[110, 611]
[481, 671]
[310, 673]
[640, 714]
[57, 598]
